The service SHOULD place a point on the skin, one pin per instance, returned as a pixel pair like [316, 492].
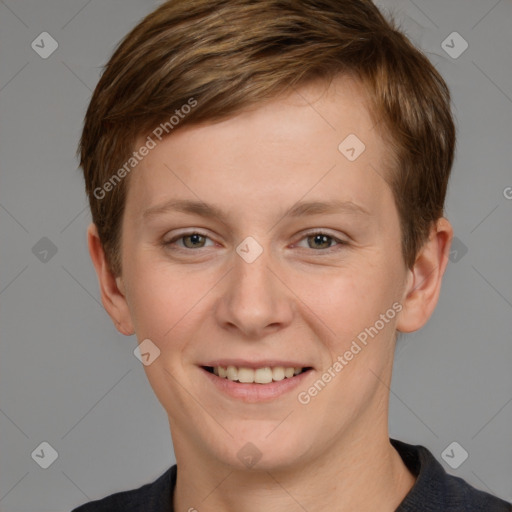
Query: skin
[301, 298]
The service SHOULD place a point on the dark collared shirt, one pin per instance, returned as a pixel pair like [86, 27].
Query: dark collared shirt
[434, 490]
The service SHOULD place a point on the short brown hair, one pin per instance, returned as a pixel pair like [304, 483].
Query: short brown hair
[231, 54]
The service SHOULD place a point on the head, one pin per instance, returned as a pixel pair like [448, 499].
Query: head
[250, 109]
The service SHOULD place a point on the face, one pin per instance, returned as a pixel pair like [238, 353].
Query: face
[259, 242]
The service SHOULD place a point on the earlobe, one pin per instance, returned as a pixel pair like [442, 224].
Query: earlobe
[424, 280]
[111, 287]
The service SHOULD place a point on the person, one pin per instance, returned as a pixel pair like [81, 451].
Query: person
[267, 183]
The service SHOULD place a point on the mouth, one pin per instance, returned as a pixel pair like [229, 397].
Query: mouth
[257, 384]
[255, 380]
[263, 375]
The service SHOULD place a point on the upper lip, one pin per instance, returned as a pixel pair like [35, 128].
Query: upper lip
[255, 364]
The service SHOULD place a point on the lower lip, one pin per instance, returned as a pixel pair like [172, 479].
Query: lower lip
[256, 392]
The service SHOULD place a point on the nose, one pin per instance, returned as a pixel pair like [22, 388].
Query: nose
[254, 300]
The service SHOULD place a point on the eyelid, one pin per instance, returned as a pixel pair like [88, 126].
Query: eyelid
[313, 232]
[179, 236]
[320, 231]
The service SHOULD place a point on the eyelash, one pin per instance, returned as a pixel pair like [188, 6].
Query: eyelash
[171, 242]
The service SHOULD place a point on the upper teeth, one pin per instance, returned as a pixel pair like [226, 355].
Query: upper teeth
[260, 375]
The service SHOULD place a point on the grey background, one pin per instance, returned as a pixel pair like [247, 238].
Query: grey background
[68, 377]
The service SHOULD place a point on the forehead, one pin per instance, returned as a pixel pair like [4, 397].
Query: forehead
[311, 142]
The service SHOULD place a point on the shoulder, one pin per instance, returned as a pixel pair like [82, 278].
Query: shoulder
[437, 490]
[152, 497]
[462, 496]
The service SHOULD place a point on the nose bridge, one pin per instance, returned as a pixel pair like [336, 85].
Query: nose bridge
[252, 268]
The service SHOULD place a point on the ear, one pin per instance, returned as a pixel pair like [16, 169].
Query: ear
[111, 288]
[424, 280]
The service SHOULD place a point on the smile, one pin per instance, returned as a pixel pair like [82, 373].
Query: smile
[255, 384]
[263, 375]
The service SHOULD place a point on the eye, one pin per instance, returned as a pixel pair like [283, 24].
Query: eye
[191, 240]
[317, 240]
[320, 240]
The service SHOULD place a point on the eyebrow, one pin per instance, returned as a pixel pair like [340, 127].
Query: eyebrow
[298, 210]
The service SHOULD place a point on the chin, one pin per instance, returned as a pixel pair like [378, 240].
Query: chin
[265, 451]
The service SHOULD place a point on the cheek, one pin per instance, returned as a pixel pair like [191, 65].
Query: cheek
[157, 299]
[169, 303]
[349, 299]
